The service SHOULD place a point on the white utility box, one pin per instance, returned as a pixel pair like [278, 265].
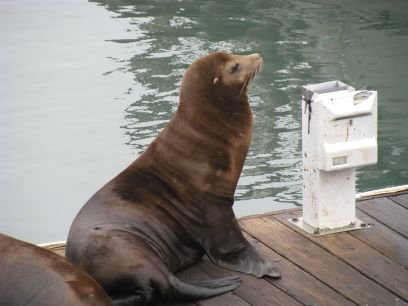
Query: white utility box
[339, 133]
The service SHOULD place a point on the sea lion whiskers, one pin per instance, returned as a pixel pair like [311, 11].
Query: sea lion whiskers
[256, 67]
[244, 86]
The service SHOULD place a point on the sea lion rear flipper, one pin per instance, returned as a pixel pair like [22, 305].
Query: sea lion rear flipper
[128, 300]
[202, 289]
[226, 246]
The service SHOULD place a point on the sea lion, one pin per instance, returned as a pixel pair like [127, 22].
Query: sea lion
[33, 276]
[174, 203]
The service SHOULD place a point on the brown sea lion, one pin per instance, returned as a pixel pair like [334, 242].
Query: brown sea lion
[33, 276]
[174, 203]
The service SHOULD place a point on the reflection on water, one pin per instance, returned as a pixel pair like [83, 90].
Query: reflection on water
[302, 42]
[146, 45]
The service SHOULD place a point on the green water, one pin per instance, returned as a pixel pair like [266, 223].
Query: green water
[85, 87]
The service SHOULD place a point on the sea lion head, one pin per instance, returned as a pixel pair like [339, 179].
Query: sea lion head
[221, 75]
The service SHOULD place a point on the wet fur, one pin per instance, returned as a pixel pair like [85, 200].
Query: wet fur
[30, 275]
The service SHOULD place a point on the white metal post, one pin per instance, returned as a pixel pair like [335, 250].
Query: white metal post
[339, 133]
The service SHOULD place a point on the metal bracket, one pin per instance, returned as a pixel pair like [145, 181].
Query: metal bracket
[356, 225]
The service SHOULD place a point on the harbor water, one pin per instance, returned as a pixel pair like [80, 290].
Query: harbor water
[86, 86]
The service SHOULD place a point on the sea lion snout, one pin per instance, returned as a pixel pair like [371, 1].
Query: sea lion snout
[256, 56]
[257, 61]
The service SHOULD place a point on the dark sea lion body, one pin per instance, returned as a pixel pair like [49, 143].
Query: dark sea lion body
[174, 203]
[33, 276]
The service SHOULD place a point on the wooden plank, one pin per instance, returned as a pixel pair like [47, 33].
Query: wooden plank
[387, 212]
[255, 291]
[362, 257]
[383, 239]
[401, 199]
[312, 258]
[299, 284]
[276, 212]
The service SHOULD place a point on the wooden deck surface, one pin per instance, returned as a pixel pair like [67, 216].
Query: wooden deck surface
[363, 267]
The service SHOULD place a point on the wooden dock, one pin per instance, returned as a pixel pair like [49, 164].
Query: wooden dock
[362, 267]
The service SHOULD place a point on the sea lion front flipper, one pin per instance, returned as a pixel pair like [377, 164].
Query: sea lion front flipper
[202, 289]
[226, 246]
[250, 261]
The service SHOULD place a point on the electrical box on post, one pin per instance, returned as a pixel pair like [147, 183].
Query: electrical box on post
[339, 133]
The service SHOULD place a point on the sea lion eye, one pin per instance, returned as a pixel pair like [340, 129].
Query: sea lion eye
[235, 67]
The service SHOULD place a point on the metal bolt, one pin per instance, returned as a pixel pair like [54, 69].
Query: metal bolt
[363, 224]
[295, 219]
[316, 231]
